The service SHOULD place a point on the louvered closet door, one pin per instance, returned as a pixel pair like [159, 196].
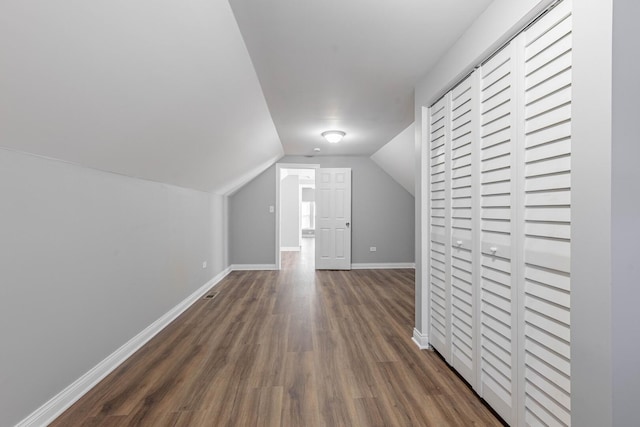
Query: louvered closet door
[500, 225]
[497, 220]
[462, 228]
[438, 171]
[546, 221]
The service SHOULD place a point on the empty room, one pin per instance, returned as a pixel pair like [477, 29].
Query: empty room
[305, 213]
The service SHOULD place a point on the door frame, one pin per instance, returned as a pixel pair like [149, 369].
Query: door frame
[279, 167]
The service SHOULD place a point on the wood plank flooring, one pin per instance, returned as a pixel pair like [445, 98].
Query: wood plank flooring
[290, 348]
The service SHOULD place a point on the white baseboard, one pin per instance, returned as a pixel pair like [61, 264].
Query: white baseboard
[67, 397]
[382, 265]
[422, 341]
[289, 248]
[244, 267]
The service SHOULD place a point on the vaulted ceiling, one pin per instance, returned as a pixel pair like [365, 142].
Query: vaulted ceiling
[157, 89]
[205, 94]
[346, 64]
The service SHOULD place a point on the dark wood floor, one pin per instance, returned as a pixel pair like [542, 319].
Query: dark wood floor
[296, 347]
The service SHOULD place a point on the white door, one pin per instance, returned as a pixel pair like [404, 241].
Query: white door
[333, 219]
[498, 263]
[545, 222]
[463, 166]
[440, 330]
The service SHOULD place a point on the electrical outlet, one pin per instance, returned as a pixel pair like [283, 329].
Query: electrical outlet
[372, 249]
[204, 264]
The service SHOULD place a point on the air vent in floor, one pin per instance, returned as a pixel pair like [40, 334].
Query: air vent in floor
[211, 295]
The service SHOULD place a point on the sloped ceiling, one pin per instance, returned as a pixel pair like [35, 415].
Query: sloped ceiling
[165, 90]
[158, 89]
[397, 158]
[347, 64]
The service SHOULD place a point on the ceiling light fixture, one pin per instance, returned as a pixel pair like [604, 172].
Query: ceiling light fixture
[333, 136]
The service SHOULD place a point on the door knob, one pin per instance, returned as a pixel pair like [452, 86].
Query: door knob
[348, 224]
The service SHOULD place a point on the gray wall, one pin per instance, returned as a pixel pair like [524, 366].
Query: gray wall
[382, 214]
[88, 259]
[591, 327]
[625, 213]
[252, 232]
[290, 211]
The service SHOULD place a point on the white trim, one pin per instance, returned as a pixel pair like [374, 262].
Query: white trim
[382, 265]
[422, 341]
[250, 267]
[48, 412]
[290, 249]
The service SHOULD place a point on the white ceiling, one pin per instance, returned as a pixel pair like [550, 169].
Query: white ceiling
[166, 90]
[346, 64]
[158, 89]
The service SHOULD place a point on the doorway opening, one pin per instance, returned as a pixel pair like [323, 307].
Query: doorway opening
[295, 219]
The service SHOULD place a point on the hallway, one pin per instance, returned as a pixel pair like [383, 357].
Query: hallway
[296, 347]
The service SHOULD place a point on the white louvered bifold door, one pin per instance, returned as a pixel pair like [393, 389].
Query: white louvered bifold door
[438, 180]
[500, 225]
[498, 336]
[546, 220]
[461, 157]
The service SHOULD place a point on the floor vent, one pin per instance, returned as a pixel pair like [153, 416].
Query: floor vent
[211, 295]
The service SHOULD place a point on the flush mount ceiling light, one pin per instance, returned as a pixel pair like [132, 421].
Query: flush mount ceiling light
[333, 136]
